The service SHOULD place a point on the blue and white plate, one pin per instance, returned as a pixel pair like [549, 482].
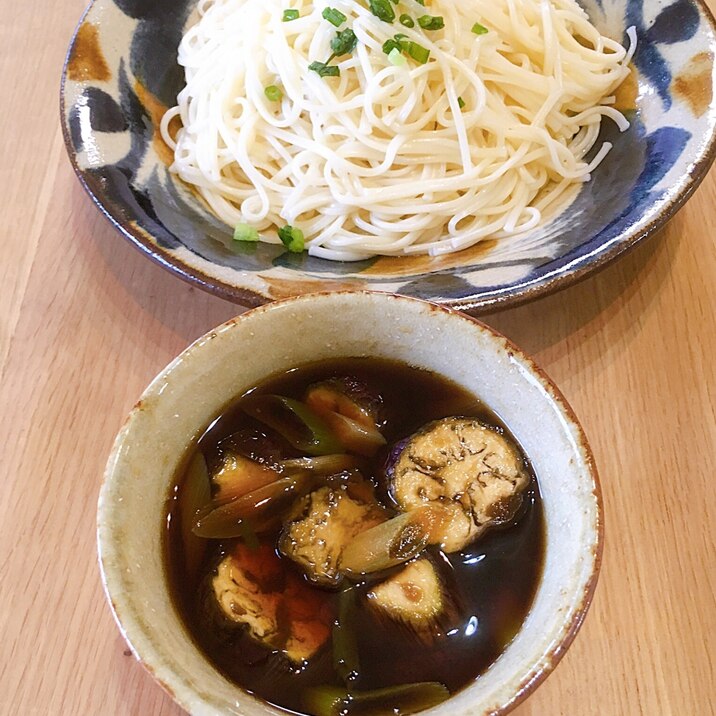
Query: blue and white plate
[121, 75]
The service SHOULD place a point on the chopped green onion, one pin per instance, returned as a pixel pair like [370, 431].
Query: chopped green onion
[223, 520]
[460, 102]
[296, 422]
[335, 17]
[420, 2]
[382, 9]
[418, 52]
[326, 700]
[195, 494]
[248, 535]
[323, 69]
[406, 20]
[431, 22]
[396, 57]
[344, 42]
[244, 232]
[403, 699]
[289, 15]
[391, 45]
[273, 93]
[479, 29]
[397, 42]
[291, 237]
[345, 642]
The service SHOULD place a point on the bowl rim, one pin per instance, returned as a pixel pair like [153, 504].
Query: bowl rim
[480, 303]
[541, 670]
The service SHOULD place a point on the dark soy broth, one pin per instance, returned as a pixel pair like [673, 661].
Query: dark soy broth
[491, 582]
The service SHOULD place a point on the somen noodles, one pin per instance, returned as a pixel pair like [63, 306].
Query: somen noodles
[361, 136]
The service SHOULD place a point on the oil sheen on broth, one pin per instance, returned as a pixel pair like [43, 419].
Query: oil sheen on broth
[294, 606]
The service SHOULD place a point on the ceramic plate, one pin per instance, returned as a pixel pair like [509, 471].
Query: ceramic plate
[121, 75]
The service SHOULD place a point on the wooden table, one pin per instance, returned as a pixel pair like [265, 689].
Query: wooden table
[86, 322]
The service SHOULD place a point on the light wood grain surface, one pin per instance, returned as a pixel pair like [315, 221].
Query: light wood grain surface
[86, 322]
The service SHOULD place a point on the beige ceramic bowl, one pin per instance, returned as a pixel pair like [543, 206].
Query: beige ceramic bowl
[191, 391]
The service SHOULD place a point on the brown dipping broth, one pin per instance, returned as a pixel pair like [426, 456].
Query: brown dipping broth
[491, 582]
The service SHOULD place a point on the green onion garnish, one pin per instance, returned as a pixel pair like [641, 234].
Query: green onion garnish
[382, 9]
[406, 20]
[460, 102]
[397, 58]
[273, 93]
[418, 52]
[431, 22]
[344, 42]
[323, 69]
[397, 42]
[335, 17]
[479, 29]
[244, 232]
[292, 238]
[391, 45]
[289, 15]
[420, 2]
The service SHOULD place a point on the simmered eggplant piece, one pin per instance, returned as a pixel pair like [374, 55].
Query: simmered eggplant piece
[238, 475]
[468, 468]
[329, 519]
[413, 596]
[277, 609]
[255, 444]
[241, 589]
[351, 412]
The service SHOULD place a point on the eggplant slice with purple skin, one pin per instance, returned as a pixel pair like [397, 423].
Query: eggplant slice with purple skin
[467, 467]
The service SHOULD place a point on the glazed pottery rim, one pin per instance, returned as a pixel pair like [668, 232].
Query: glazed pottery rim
[493, 298]
[567, 631]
